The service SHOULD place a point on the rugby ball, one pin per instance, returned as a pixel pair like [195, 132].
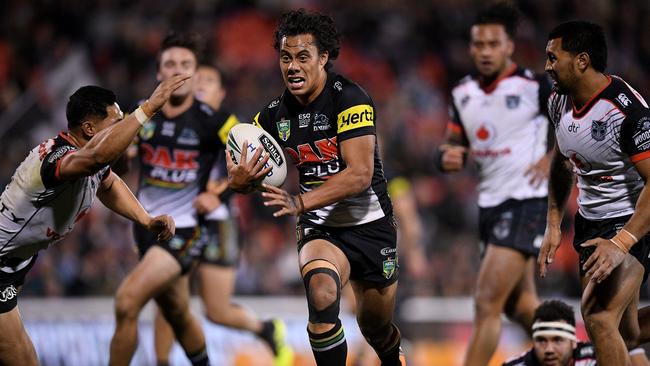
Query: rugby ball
[258, 137]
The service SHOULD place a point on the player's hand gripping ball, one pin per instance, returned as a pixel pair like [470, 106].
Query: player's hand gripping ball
[258, 137]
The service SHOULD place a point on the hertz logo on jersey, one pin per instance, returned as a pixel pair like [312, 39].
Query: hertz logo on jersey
[355, 117]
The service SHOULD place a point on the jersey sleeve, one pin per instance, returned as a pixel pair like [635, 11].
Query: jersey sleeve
[635, 135]
[355, 113]
[455, 125]
[225, 128]
[50, 168]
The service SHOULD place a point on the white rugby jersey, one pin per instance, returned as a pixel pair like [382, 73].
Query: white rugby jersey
[37, 208]
[602, 140]
[505, 126]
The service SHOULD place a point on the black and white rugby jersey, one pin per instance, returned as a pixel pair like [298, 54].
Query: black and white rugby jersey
[602, 140]
[506, 128]
[311, 135]
[176, 157]
[38, 208]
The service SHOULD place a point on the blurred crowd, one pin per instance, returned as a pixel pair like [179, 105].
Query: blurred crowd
[407, 54]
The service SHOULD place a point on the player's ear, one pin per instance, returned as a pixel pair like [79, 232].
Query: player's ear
[323, 58]
[582, 61]
[88, 128]
[510, 47]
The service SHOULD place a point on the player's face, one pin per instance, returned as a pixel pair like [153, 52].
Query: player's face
[208, 87]
[303, 68]
[553, 350]
[560, 66]
[490, 48]
[177, 61]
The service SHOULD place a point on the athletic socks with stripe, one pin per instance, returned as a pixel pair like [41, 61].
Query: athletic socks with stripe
[199, 358]
[329, 348]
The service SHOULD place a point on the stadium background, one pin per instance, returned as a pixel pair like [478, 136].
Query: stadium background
[406, 53]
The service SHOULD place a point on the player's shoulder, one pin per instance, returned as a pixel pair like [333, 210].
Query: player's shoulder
[524, 359]
[624, 96]
[464, 82]
[270, 109]
[527, 74]
[584, 351]
[346, 92]
[55, 148]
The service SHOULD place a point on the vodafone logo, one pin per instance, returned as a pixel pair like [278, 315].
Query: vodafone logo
[485, 133]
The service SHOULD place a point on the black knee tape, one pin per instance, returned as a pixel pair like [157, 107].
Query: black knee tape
[330, 314]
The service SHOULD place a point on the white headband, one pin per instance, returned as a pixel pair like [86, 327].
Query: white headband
[559, 329]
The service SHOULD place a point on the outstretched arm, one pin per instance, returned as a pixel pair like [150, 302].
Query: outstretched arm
[108, 144]
[117, 196]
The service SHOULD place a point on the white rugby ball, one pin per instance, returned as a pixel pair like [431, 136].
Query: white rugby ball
[258, 137]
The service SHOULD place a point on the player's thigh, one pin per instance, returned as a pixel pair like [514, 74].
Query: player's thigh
[152, 275]
[501, 270]
[217, 284]
[375, 305]
[16, 347]
[318, 253]
[612, 296]
[174, 300]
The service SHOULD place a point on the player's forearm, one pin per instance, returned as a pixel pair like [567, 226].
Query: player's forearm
[348, 183]
[560, 185]
[119, 199]
[110, 143]
[639, 223]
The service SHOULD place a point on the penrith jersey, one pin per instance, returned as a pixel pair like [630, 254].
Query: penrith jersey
[311, 136]
[505, 126]
[176, 156]
[38, 208]
[602, 140]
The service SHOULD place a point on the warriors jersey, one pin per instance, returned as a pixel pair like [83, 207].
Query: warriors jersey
[311, 136]
[583, 355]
[602, 140]
[505, 126]
[38, 208]
[176, 155]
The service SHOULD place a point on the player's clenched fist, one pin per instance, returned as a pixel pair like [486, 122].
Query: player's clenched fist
[452, 157]
[163, 226]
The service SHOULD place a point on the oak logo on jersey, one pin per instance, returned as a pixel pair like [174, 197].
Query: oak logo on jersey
[362, 115]
[598, 130]
[284, 129]
[512, 101]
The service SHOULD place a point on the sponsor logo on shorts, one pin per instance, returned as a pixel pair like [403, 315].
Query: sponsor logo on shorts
[388, 251]
[8, 293]
[176, 243]
[389, 267]
[502, 228]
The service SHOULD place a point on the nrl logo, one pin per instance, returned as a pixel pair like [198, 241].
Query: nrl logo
[284, 129]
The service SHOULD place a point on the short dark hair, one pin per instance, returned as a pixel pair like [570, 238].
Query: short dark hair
[580, 36]
[191, 40]
[88, 101]
[320, 26]
[500, 13]
[217, 69]
[554, 310]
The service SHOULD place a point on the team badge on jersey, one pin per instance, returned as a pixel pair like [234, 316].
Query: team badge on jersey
[598, 130]
[389, 267]
[147, 130]
[512, 101]
[284, 129]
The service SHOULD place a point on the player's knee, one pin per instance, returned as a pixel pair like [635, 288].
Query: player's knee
[323, 287]
[126, 305]
[375, 332]
[486, 304]
[600, 324]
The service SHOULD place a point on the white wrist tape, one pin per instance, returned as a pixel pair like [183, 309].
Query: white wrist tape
[141, 116]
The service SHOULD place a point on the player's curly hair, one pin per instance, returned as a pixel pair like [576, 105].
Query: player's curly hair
[191, 41]
[320, 26]
[580, 36]
[553, 310]
[88, 102]
[500, 13]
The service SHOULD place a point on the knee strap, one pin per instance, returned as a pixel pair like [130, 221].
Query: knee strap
[330, 314]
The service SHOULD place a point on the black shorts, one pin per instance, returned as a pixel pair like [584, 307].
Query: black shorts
[12, 276]
[370, 248]
[516, 224]
[590, 229]
[220, 243]
[183, 246]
